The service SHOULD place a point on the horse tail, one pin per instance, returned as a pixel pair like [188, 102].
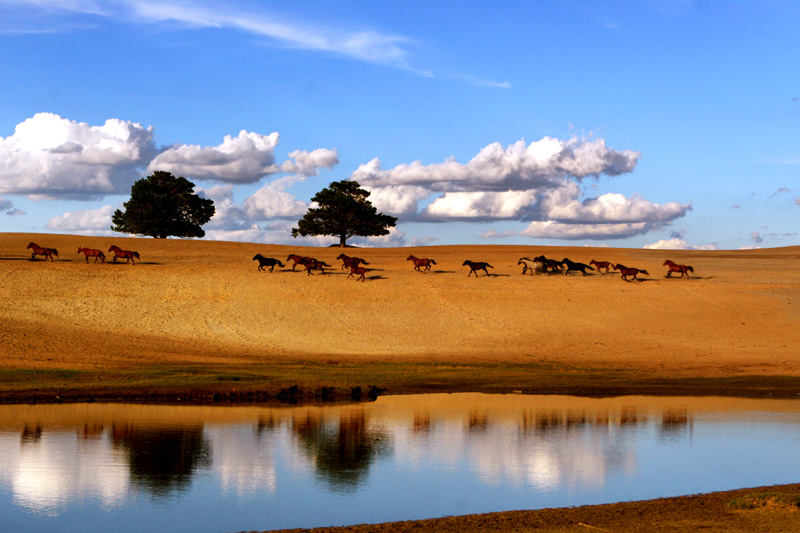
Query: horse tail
[589, 267]
[433, 262]
[279, 263]
[364, 262]
[690, 269]
[644, 272]
[136, 254]
[55, 252]
[488, 265]
[324, 263]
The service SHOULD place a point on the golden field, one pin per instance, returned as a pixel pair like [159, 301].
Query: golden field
[204, 306]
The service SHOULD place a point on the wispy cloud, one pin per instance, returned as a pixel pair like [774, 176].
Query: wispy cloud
[358, 43]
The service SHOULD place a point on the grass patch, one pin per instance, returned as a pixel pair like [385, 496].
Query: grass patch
[768, 501]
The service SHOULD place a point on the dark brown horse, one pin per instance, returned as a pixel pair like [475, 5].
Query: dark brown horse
[421, 262]
[267, 262]
[552, 264]
[575, 267]
[359, 271]
[475, 266]
[313, 264]
[298, 259]
[38, 250]
[602, 265]
[626, 271]
[350, 262]
[128, 255]
[674, 267]
[92, 252]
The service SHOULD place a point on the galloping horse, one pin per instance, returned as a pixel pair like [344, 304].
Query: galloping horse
[38, 250]
[531, 265]
[673, 267]
[313, 264]
[475, 266]
[91, 252]
[298, 259]
[575, 267]
[552, 264]
[420, 263]
[350, 262]
[361, 271]
[625, 271]
[128, 255]
[267, 262]
[601, 265]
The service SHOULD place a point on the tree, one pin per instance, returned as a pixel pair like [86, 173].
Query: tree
[162, 205]
[343, 211]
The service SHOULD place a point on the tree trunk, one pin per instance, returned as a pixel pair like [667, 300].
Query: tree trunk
[342, 241]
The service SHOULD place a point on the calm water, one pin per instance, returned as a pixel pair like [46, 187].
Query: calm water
[133, 467]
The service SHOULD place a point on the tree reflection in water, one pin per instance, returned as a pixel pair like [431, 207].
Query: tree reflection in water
[342, 452]
[162, 460]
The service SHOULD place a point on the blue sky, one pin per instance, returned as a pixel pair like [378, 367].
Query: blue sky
[625, 123]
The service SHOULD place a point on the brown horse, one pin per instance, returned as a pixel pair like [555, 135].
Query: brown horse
[38, 250]
[673, 267]
[92, 252]
[360, 271]
[313, 264]
[420, 263]
[575, 267]
[475, 266]
[626, 271]
[552, 264]
[128, 255]
[602, 265]
[350, 262]
[298, 259]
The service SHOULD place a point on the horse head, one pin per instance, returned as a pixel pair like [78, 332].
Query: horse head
[668, 262]
[32, 245]
[257, 257]
[80, 249]
[342, 256]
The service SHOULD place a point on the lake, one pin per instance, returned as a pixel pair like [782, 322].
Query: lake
[123, 467]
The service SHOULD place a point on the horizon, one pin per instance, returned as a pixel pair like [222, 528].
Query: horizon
[667, 125]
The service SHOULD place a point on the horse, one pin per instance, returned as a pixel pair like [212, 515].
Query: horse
[601, 265]
[531, 265]
[313, 264]
[552, 264]
[298, 259]
[673, 267]
[91, 252]
[420, 263]
[128, 255]
[350, 262]
[266, 262]
[475, 266]
[360, 271]
[626, 271]
[38, 250]
[575, 267]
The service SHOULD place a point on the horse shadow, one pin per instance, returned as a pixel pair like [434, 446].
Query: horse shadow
[373, 278]
[441, 272]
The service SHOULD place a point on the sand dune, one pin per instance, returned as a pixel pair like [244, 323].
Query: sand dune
[198, 301]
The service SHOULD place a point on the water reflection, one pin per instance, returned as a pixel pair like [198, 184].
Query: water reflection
[433, 452]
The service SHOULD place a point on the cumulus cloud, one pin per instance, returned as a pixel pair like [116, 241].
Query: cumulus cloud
[50, 156]
[243, 159]
[538, 182]
[272, 201]
[756, 237]
[558, 230]
[92, 221]
[497, 168]
[677, 243]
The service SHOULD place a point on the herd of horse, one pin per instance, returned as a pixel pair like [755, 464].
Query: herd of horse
[129, 255]
[538, 265]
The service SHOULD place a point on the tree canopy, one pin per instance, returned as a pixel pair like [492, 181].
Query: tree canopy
[343, 211]
[162, 205]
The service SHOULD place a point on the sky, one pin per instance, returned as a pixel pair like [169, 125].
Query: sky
[627, 123]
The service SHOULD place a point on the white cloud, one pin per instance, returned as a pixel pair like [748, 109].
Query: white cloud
[308, 163]
[480, 205]
[243, 159]
[494, 234]
[551, 229]
[93, 221]
[615, 207]
[49, 156]
[677, 244]
[272, 201]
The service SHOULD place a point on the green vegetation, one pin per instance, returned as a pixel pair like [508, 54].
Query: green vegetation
[767, 500]
[161, 206]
